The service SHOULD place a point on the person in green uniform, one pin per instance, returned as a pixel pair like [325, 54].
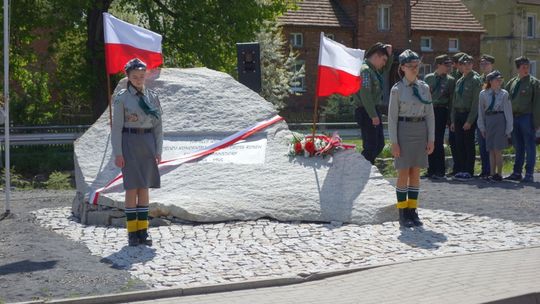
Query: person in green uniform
[456, 74]
[378, 61]
[524, 92]
[441, 86]
[411, 129]
[463, 118]
[486, 66]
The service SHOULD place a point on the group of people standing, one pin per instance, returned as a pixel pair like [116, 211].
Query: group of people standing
[474, 107]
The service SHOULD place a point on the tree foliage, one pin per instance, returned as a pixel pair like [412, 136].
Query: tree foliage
[278, 69]
[57, 66]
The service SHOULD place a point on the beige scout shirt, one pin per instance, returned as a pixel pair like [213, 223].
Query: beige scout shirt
[128, 114]
[502, 104]
[403, 103]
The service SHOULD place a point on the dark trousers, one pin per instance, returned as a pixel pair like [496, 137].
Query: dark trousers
[452, 143]
[484, 153]
[524, 141]
[436, 159]
[372, 136]
[465, 149]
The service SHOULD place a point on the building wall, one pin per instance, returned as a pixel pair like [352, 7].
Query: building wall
[468, 43]
[368, 32]
[505, 39]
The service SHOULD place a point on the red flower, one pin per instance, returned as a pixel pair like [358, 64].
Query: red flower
[310, 147]
[298, 147]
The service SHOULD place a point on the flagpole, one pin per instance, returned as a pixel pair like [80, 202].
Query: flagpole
[7, 186]
[316, 104]
[109, 96]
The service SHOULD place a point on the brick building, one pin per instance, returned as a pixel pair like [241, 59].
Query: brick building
[360, 23]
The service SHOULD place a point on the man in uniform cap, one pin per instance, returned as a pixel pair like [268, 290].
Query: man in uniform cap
[524, 90]
[442, 89]
[378, 61]
[463, 118]
[486, 67]
[456, 73]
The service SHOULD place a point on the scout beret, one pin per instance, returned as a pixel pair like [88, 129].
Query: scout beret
[456, 56]
[408, 56]
[134, 64]
[376, 48]
[442, 59]
[465, 59]
[487, 58]
[493, 75]
[521, 60]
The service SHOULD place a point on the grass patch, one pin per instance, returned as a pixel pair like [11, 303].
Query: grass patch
[386, 166]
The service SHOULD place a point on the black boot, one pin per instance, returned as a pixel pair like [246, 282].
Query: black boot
[144, 237]
[404, 218]
[133, 239]
[413, 215]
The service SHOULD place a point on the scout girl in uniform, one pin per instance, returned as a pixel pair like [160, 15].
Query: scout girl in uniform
[411, 128]
[137, 139]
[495, 121]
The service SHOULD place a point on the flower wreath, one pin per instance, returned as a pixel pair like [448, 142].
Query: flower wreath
[320, 145]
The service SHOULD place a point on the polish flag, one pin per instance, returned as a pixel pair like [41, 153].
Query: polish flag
[125, 41]
[339, 68]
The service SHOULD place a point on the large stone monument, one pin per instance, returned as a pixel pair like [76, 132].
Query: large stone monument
[252, 179]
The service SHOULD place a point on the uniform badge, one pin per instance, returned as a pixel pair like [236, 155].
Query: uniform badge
[133, 117]
[366, 79]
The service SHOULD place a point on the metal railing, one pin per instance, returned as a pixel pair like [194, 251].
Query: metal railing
[43, 135]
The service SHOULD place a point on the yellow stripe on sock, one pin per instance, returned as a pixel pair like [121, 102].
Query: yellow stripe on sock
[402, 205]
[412, 203]
[142, 224]
[131, 226]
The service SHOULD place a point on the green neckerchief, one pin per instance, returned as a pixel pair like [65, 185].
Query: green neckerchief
[438, 79]
[515, 91]
[492, 104]
[148, 108]
[379, 76]
[417, 94]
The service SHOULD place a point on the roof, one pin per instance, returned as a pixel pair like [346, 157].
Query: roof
[317, 13]
[443, 15]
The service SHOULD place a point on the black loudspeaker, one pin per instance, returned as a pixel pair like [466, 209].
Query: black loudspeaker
[249, 65]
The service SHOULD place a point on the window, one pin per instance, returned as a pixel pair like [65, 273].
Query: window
[383, 20]
[297, 40]
[425, 44]
[531, 26]
[331, 36]
[298, 84]
[453, 45]
[532, 68]
[424, 70]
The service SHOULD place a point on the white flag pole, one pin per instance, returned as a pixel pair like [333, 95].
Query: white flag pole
[7, 186]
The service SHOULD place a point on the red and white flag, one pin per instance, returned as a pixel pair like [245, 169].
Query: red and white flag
[339, 68]
[125, 41]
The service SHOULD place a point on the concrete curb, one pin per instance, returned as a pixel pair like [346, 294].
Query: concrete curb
[152, 294]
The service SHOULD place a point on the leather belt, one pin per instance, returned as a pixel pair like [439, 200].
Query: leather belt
[411, 119]
[136, 130]
[494, 112]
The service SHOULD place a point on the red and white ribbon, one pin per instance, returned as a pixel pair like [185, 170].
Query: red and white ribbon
[229, 141]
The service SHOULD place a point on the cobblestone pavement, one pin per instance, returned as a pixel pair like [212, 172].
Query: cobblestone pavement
[194, 255]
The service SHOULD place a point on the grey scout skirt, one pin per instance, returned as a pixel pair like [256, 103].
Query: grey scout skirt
[412, 140]
[495, 128]
[140, 169]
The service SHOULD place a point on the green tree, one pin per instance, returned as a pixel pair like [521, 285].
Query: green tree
[278, 70]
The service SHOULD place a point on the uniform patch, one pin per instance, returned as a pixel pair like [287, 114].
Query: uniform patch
[366, 79]
[132, 117]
